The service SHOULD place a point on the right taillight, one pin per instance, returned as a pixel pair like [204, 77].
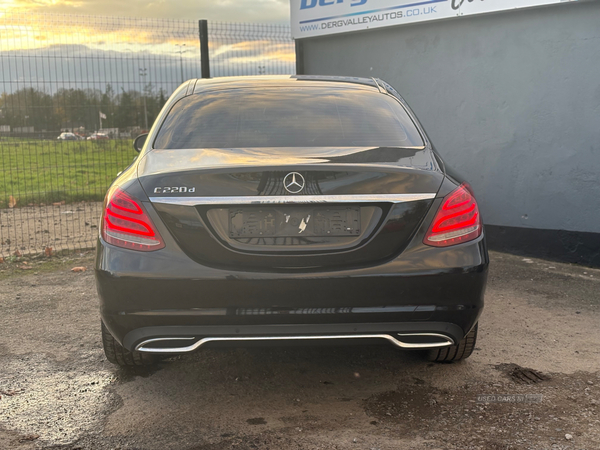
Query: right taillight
[126, 224]
[456, 221]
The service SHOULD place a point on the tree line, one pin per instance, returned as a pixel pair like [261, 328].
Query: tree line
[80, 108]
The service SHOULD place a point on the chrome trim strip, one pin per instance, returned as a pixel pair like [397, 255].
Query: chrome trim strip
[292, 199]
[141, 346]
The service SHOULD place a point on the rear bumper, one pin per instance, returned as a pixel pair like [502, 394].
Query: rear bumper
[164, 294]
[188, 338]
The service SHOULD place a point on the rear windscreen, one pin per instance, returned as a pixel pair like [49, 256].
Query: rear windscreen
[305, 117]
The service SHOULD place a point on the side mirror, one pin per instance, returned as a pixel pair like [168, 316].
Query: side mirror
[138, 143]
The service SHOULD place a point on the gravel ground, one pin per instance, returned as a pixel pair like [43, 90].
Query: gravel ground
[539, 335]
[32, 229]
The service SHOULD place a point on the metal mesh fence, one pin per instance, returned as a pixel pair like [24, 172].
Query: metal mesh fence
[250, 49]
[75, 90]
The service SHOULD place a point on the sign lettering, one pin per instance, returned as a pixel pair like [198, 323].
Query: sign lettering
[321, 17]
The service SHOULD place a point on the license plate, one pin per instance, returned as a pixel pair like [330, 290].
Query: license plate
[294, 221]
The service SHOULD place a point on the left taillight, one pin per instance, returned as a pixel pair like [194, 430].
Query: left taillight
[456, 221]
[126, 224]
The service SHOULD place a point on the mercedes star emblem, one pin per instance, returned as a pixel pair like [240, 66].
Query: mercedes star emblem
[293, 182]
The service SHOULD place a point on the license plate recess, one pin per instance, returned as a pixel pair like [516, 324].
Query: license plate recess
[290, 221]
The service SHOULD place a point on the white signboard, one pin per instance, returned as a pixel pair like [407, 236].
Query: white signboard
[320, 17]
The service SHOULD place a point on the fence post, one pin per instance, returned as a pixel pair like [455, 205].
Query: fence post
[299, 57]
[204, 57]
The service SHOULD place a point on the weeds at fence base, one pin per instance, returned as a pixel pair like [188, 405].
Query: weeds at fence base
[61, 226]
[37, 264]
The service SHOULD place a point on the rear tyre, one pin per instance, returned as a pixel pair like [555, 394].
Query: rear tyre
[117, 354]
[455, 352]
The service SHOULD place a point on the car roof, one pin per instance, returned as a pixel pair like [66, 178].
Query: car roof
[262, 81]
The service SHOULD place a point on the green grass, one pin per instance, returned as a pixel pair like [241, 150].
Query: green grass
[38, 172]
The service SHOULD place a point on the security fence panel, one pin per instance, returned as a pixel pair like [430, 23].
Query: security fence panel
[250, 49]
[75, 91]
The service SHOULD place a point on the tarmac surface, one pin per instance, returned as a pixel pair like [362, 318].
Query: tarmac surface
[537, 363]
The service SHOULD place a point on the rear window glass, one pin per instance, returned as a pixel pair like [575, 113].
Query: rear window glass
[287, 118]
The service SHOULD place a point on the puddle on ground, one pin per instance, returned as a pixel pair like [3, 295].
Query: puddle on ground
[522, 375]
[127, 374]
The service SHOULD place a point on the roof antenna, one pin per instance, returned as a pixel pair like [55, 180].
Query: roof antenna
[381, 90]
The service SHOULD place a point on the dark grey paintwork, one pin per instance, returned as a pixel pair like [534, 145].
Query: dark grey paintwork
[207, 283]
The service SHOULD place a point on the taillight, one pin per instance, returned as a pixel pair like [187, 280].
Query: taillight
[456, 221]
[125, 223]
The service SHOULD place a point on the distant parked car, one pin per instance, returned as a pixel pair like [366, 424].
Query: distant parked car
[97, 137]
[67, 137]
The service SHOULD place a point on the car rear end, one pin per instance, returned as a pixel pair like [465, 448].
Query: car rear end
[285, 211]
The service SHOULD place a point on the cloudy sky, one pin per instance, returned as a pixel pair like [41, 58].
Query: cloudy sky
[51, 45]
[263, 11]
